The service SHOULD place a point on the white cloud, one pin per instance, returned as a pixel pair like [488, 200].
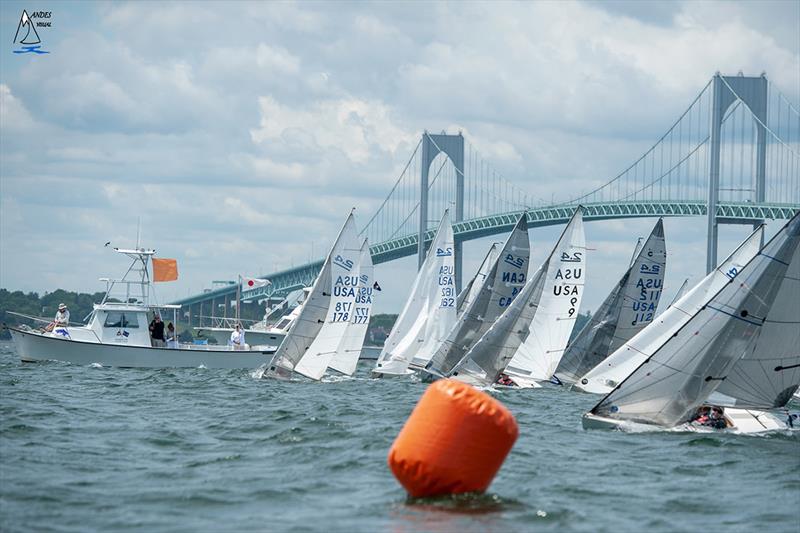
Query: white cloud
[251, 128]
[352, 126]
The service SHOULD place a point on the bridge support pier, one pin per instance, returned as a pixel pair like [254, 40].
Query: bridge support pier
[453, 147]
[753, 93]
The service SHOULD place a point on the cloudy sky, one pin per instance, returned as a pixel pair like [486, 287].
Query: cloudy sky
[241, 133]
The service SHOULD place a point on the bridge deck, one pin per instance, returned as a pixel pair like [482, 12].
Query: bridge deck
[291, 279]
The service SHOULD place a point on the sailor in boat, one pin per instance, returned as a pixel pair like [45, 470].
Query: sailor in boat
[157, 332]
[709, 416]
[505, 381]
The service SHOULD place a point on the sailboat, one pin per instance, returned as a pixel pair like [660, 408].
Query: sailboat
[738, 351]
[627, 310]
[488, 357]
[537, 311]
[503, 282]
[538, 356]
[314, 336]
[346, 358]
[429, 313]
[617, 366]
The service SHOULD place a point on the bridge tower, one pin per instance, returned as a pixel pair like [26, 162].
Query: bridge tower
[453, 147]
[753, 93]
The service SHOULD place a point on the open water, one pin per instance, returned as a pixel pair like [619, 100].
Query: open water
[86, 448]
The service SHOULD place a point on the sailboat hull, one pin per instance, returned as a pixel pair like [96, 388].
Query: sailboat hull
[744, 421]
[35, 347]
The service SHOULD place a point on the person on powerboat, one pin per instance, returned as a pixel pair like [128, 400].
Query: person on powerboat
[237, 337]
[62, 316]
[172, 337]
[157, 332]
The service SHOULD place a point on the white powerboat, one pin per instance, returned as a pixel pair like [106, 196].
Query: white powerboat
[117, 332]
[267, 332]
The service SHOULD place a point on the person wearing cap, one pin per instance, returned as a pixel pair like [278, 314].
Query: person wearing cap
[157, 332]
[62, 317]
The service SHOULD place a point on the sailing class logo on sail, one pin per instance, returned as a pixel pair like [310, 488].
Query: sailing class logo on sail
[572, 273]
[27, 35]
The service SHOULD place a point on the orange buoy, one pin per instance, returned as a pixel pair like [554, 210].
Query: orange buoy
[455, 441]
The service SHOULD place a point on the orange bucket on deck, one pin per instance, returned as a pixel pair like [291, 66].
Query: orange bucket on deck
[455, 441]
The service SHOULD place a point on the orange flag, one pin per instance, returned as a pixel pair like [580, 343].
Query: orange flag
[165, 269]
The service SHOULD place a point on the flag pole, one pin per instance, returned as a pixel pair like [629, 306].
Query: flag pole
[238, 298]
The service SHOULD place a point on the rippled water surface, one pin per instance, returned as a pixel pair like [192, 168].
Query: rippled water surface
[88, 448]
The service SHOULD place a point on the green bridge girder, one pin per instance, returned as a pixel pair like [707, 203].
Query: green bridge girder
[295, 278]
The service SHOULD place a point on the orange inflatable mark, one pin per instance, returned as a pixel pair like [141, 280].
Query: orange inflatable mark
[455, 441]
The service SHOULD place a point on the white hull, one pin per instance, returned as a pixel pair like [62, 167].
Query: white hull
[33, 347]
[744, 421]
[377, 374]
[252, 337]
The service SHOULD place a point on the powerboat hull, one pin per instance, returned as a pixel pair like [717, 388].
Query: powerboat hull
[36, 347]
[743, 421]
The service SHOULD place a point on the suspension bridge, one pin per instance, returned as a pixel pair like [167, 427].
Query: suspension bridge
[733, 157]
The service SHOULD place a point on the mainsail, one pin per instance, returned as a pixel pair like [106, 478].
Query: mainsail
[503, 282]
[617, 366]
[302, 335]
[430, 311]
[627, 310]
[349, 350]
[538, 356]
[472, 289]
[745, 333]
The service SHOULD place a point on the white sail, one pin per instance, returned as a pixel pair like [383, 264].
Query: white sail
[304, 329]
[626, 311]
[474, 286]
[540, 353]
[755, 380]
[504, 281]
[736, 331]
[346, 358]
[486, 360]
[344, 282]
[430, 311]
[617, 366]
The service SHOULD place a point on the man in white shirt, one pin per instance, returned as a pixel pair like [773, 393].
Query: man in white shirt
[237, 338]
